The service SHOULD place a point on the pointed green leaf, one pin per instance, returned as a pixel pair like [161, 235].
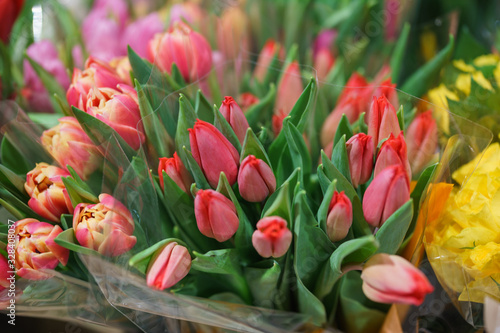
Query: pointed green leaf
[399, 50]
[203, 108]
[68, 240]
[344, 128]
[198, 175]
[263, 110]
[340, 159]
[253, 146]
[223, 126]
[391, 234]
[186, 120]
[325, 205]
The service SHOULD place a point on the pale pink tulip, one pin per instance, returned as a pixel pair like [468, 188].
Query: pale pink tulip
[422, 140]
[169, 265]
[256, 180]
[360, 154]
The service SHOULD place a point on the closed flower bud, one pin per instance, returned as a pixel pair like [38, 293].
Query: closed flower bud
[266, 55]
[169, 265]
[422, 140]
[36, 249]
[388, 191]
[215, 215]
[174, 168]
[339, 218]
[290, 88]
[382, 120]
[323, 63]
[256, 179]
[106, 227]
[393, 152]
[213, 153]
[235, 117]
[49, 197]
[392, 279]
[360, 154]
[272, 237]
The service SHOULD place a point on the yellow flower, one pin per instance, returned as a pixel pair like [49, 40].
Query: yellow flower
[460, 64]
[428, 44]
[496, 74]
[486, 60]
[439, 97]
[463, 82]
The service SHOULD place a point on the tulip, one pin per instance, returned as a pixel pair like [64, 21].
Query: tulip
[36, 249]
[360, 154]
[169, 265]
[122, 68]
[256, 179]
[215, 215]
[213, 153]
[422, 142]
[277, 122]
[138, 34]
[69, 144]
[272, 237]
[9, 11]
[232, 33]
[323, 63]
[106, 227]
[387, 89]
[189, 50]
[289, 89]
[247, 100]
[393, 152]
[382, 120]
[392, 279]
[174, 168]
[119, 109]
[235, 117]
[388, 191]
[339, 218]
[356, 90]
[324, 40]
[4, 268]
[268, 52]
[348, 107]
[49, 197]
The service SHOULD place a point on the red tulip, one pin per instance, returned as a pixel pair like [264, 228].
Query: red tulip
[290, 88]
[49, 197]
[174, 168]
[277, 122]
[256, 180]
[266, 55]
[247, 100]
[360, 154]
[213, 153]
[392, 279]
[388, 191]
[393, 152]
[169, 265]
[422, 140]
[106, 227]
[339, 218]
[36, 249]
[215, 215]
[235, 117]
[382, 120]
[9, 11]
[272, 237]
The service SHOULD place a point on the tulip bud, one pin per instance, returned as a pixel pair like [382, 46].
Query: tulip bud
[388, 90]
[277, 122]
[106, 227]
[266, 55]
[360, 154]
[256, 179]
[189, 50]
[213, 153]
[382, 120]
[347, 107]
[323, 63]
[388, 191]
[324, 40]
[422, 140]
[69, 144]
[235, 117]
[49, 197]
[290, 88]
[272, 237]
[174, 168]
[339, 218]
[215, 215]
[4, 268]
[169, 265]
[393, 152]
[37, 250]
[392, 279]
[247, 100]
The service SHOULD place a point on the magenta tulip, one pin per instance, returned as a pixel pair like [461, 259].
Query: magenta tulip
[272, 237]
[169, 265]
[256, 180]
[339, 218]
[235, 117]
[176, 170]
[422, 140]
[360, 155]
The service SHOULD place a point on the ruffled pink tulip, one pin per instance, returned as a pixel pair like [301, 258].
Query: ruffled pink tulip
[215, 215]
[392, 279]
[393, 152]
[272, 237]
[36, 249]
[4, 268]
[388, 191]
[213, 153]
[174, 168]
[422, 140]
[266, 55]
[183, 46]
[290, 88]
[69, 144]
[235, 117]
[256, 180]
[339, 218]
[119, 109]
[382, 120]
[106, 227]
[169, 265]
[360, 154]
[49, 197]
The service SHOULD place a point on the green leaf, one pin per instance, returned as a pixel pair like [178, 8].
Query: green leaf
[310, 304]
[325, 205]
[196, 171]
[298, 150]
[142, 70]
[344, 128]
[399, 50]
[66, 221]
[253, 146]
[217, 262]
[223, 126]
[76, 194]
[340, 159]
[280, 202]
[263, 282]
[12, 179]
[177, 76]
[203, 108]
[392, 233]
[13, 158]
[68, 240]
[186, 120]
[262, 111]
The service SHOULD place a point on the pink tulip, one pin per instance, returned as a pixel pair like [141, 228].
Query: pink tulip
[382, 120]
[235, 117]
[387, 89]
[356, 90]
[392, 279]
[69, 144]
[174, 168]
[272, 237]
[183, 46]
[169, 265]
[388, 191]
[122, 68]
[256, 180]
[4, 268]
[138, 34]
[324, 40]
[339, 218]
[215, 215]
[422, 140]
[393, 152]
[348, 107]
[106, 227]
[49, 197]
[323, 63]
[213, 153]
[266, 55]
[360, 153]
[247, 100]
[289, 89]
[36, 249]
[119, 109]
